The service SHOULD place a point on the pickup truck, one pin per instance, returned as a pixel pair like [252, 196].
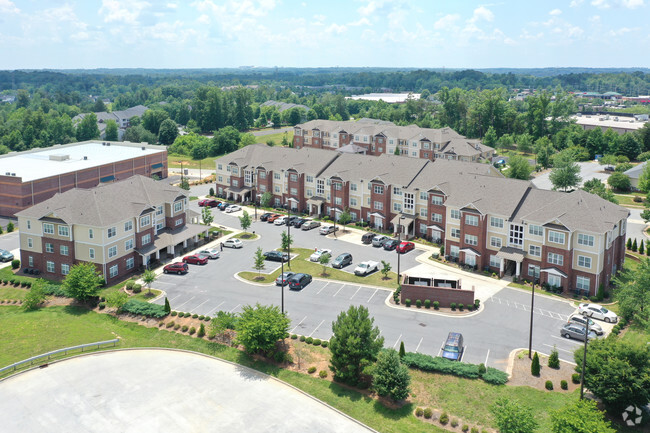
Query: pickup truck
[365, 268]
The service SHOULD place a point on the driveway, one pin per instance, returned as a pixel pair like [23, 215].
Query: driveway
[588, 170]
[121, 391]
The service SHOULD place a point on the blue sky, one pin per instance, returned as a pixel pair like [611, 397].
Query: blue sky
[296, 33]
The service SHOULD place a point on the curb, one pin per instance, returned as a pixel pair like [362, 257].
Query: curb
[243, 280]
[434, 313]
[453, 269]
[513, 353]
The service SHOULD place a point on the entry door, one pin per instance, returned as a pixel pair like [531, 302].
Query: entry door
[379, 222]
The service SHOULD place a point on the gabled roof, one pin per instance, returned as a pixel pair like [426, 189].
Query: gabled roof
[635, 172]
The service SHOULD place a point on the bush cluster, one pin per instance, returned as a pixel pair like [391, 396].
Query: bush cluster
[324, 343]
[184, 328]
[427, 303]
[170, 324]
[444, 418]
[454, 422]
[436, 305]
[192, 330]
[317, 342]
[137, 288]
[419, 411]
[146, 309]
[575, 378]
[309, 340]
[322, 374]
[428, 413]
[174, 313]
[407, 302]
[311, 370]
[564, 385]
[549, 385]
[440, 365]
[465, 428]
[294, 336]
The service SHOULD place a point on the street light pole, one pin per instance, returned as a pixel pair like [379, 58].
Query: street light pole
[532, 306]
[399, 240]
[289, 235]
[584, 361]
[282, 282]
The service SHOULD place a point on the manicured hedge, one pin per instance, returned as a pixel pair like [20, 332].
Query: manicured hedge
[134, 306]
[54, 290]
[445, 366]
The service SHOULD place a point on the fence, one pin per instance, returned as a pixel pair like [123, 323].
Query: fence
[56, 352]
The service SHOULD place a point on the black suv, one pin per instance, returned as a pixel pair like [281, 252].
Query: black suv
[265, 216]
[276, 256]
[342, 260]
[367, 238]
[391, 244]
[299, 281]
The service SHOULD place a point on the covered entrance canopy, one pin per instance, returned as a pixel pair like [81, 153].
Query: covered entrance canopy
[512, 254]
[315, 205]
[239, 193]
[402, 224]
[169, 239]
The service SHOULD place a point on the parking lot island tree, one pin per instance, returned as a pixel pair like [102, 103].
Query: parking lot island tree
[355, 344]
[324, 260]
[286, 240]
[391, 378]
[83, 282]
[385, 269]
[345, 218]
[260, 327]
[258, 265]
[148, 277]
[245, 221]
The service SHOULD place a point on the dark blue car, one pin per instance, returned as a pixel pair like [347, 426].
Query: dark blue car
[453, 349]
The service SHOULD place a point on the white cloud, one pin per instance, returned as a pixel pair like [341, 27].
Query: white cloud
[446, 22]
[622, 31]
[369, 8]
[600, 4]
[595, 19]
[8, 7]
[575, 3]
[530, 37]
[122, 11]
[203, 19]
[360, 22]
[482, 13]
[335, 28]
[172, 6]
[555, 12]
[632, 4]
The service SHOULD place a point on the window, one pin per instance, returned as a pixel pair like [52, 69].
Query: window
[555, 237]
[30, 261]
[397, 207]
[64, 250]
[582, 283]
[320, 187]
[91, 253]
[587, 240]
[414, 153]
[471, 220]
[248, 177]
[128, 245]
[179, 222]
[455, 233]
[496, 222]
[455, 214]
[584, 262]
[293, 177]
[160, 225]
[337, 186]
[437, 200]
[516, 237]
[423, 229]
[263, 188]
[112, 272]
[112, 251]
[145, 239]
[454, 251]
[64, 231]
[145, 221]
[235, 170]
[277, 189]
[338, 200]
[353, 187]
[293, 191]
[397, 191]
[65, 269]
[535, 230]
[533, 271]
[235, 182]
[379, 189]
[436, 217]
[555, 259]
[91, 233]
[130, 263]
[29, 224]
[112, 232]
[470, 259]
[128, 226]
[178, 206]
[262, 175]
[49, 248]
[220, 179]
[276, 176]
[220, 166]
[471, 240]
[409, 201]
[423, 196]
[48, 229]
[535, 250]
[495, 242]
[353, 201]
[379, 205]
[30, 243]
[495, 262]
[426, 154]
[309, 193]
[423, 212]
[50, 266]
[425, 145]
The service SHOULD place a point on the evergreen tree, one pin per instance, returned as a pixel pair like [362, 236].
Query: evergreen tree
[402, 351]
[629, 243]
[554, 359]
[566, 172]
[641, 248]
[490, 138]
[634, 246]
[391, 378]
[534, 366]
[201, 332]
[168, 307]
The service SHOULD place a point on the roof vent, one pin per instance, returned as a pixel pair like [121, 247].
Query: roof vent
[8, 173]
[13, 174]
[108, 144]
[85, 158]
[59, 157]
[143, 147]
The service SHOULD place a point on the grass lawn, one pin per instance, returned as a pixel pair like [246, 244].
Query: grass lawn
[7, 274]
[628, 199]
[9, 292]
[302, 264]
[207, 164]
[276, 138]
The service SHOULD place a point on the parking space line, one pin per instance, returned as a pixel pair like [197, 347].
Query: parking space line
[312, 332]
[217, 307]
[179, 306]
[578, 343]
[443, 345]
[398, 338]
[374, 293]
[355, 293]
[321, 289]
[234, 308]
[174, 298]
[416, 349]
[337, 292]
[486, 357]
[462, 356]
[303, 319]
[559, 348]
[200, 305]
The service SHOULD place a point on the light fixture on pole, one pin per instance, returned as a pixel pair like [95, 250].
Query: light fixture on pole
[399, 241]
[290, 200]
[584, 360]
[532, 307]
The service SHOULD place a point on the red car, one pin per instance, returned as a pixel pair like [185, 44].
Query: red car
[273, 217]
[176, 268]
[195, 259]
[204, 202]
[405, 247]
[213, 203]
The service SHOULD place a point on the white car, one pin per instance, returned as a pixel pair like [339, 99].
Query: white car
[281, 221]
[212, 253]
[233, 208]
[319, 253]
[327, 229]
[595, 311]
[233, 243]
[365, 268]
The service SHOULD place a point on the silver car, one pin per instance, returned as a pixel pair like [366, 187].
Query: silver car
[573, 330]
[582, 321]
[378, 241]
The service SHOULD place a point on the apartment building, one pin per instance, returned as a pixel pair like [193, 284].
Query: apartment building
[570, 240]
[119, 227]
[377, 137]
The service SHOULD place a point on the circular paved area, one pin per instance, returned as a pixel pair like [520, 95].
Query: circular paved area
[159, 391]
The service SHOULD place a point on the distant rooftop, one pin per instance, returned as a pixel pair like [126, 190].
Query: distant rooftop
[608, 121]
[60, 159]
[390, 98]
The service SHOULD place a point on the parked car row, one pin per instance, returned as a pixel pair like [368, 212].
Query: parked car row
[200, 258]
[295, 281]
[576, 326]
[221, 205]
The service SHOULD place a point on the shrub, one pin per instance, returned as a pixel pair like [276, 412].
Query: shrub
[146, 309]
[440, 365]
[184, 328]
[444, 418]
[15, 264]
[616, 330]
[494, 376]
[564, 385]
[419, 411]
[102, 305]
[316, 342]
[177, 327]
[160, 324]
[453, 306]
[201, 317]
[188, 314]
[474, 430]
[324, 343]
[201, 332]
[174, 313]
[637, 199]
[322, 374]
[309, 340]
[436, 305]
[418, 303]
[208, 318]
[294, 336]
[192, 330]
[465, 428]
[428, 413]
[575, 378]
[130, 284]
[481, 369]
[461, 306]
[302, 338]
[549, 385]
[477, 303]
[311, 370]
[554, 359]
[170, 324]
[534, 366]
[137, 288]
[407, 302]
[194, 316]
[427, 303]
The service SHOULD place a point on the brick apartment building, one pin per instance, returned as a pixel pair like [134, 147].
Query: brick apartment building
[574, 241]
[377, 137]
[119, 227]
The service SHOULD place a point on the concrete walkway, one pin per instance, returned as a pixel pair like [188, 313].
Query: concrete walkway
[160, 391]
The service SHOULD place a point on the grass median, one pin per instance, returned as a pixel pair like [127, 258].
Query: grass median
[302, 264]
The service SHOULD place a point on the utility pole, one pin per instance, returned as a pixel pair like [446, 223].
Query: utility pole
[532, 307]
[584, 361]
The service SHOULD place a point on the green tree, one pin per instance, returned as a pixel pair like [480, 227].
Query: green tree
[276, 119]
[582, 416]
[644, 178]
[630, 146]
[490, 138]
[608, 160]
[511, 417]
[345, 218]
[554, 359]
[225, 140]
[138, 134]
[286, 241]
[390, 377]
[117, 299]
[206, 215]
[543, 150]
[36, 295]
[99, 106]
[634, 246]
[168, 308]
[167, 132]
[148, 277]
[87, 129]
[243, 114]
[402, 351]
[566, 172]
[596, 186]
[519, 168]
[617, 372]
[258, 264]
[201, 332]
[619, 181]
[265, 199]
[324, 260]
[534, 366]
[633, 293]
[110, 133]
[82, 282]
[385, 269]
[355, 344]
[645, 216]
[152, 119]
[245, 221]
[184, 184]
[397, 151]
[641, 248]
[259, 328]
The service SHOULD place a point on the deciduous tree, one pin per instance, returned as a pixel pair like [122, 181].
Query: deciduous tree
[245, 221]
[519, 168]
[87, 129]
[258, 264]
[110, 133]
[511, 417]
[582, 416]
[566, 172]
[259, 328]
[167, 132]
[83, 282]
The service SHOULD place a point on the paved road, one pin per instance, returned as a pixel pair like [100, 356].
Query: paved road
[209, 395]
[588, 170]
[635, 225]
[271, 131]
